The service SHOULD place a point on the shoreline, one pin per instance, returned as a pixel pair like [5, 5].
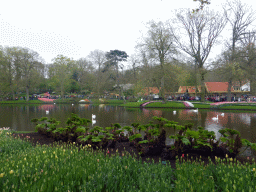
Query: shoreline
[238, 106]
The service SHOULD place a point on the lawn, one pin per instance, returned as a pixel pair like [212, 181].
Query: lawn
[171, 104]
[168, 104]
[22, 102]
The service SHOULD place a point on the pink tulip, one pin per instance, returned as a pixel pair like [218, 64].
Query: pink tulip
[108, 151]
[182, 155]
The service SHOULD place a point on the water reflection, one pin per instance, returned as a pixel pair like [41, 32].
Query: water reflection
[18, 117]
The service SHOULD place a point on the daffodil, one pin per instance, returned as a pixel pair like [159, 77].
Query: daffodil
[226, 155]
[253, 169]
[11, 172]
[2, 174]
[25, 159]
[44, 151]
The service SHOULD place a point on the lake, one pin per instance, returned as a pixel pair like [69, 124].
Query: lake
[18, 117]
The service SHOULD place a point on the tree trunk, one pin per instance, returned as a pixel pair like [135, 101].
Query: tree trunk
[13, 95]
[61, 91]
[162, 90]
[202, 87]
[117, 78]
[13, 92]
[27, 93]
[229, 90]
[122, 92]
[252, 86]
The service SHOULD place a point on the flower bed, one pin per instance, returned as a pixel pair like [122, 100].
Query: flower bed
[46, 99]
[69, 168]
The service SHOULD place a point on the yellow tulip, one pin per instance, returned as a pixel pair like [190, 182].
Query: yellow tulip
[11, 172]
[2, 174]
[253, 169]
[44, 151]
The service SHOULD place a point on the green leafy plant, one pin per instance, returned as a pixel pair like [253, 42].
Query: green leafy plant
[231, 140]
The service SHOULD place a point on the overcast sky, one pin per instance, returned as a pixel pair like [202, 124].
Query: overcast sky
[74, 28]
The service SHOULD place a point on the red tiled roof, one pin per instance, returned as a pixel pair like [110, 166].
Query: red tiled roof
[191, 89]
[217, 87]
[153, 90]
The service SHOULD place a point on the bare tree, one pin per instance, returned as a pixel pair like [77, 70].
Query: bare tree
[201, 29]
[86, 78]
[98, 58]
[240, 17]
[248, 58]
[30, 62]
[61, 72]
[159, 44]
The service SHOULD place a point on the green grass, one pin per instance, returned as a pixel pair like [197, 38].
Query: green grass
[171, 104]
[202, 105]
[133, 104]
[22, 102]
[114, 101]
[24, 167]
[236, 106]
[174, 104]
[18, 132]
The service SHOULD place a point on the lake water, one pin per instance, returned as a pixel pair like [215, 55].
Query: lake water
[18, 117]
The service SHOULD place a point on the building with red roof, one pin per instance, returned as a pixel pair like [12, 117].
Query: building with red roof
[213, 88]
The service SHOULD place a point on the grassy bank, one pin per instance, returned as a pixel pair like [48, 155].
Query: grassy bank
[174, 104]
[236, 106]
[65, 101]
[24, 167]
[22, 102]
[168, 104]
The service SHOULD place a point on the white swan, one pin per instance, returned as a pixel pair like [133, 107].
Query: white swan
[196, 110]
[215, 118]
[222, 114]
[93, 119]
[174, 112]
